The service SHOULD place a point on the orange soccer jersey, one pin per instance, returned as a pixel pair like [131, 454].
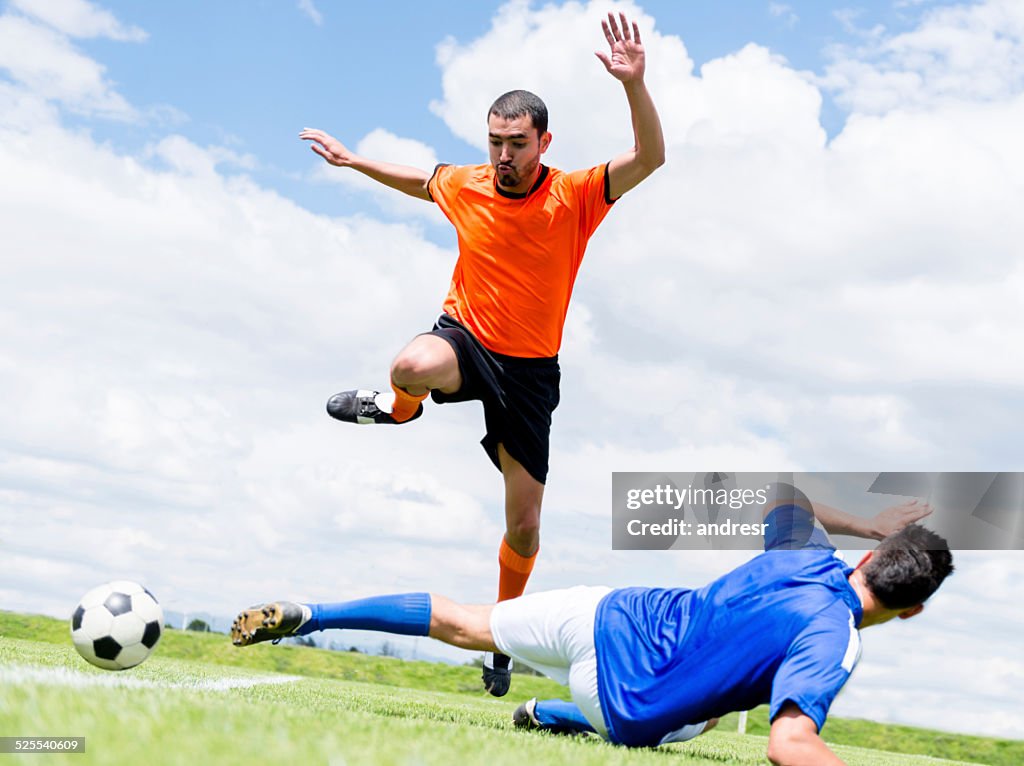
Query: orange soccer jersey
[518, 253]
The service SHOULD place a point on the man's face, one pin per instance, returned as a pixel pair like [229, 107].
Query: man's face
[515, 150]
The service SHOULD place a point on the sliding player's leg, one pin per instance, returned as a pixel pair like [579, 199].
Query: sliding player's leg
[553, 632]
[555, 716]
[412, 614]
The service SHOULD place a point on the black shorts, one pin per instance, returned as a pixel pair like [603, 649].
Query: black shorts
[519, 394]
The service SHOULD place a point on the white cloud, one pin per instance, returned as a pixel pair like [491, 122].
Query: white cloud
[971, 52]
[572, 81]
[848, 18]
[47, 64]
[784, 12]
[79, 18]
[309, 9]
[189, 159]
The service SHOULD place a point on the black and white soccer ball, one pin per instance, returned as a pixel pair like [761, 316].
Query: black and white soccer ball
[116, 626]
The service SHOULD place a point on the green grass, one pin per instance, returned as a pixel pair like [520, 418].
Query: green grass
[344, 708]
[214, 648]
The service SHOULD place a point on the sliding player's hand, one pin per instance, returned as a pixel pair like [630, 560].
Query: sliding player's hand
[892, 520]
[625, 61]
[328, 147]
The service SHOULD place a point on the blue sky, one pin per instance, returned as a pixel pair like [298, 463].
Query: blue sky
[824, 276]
[250, 75]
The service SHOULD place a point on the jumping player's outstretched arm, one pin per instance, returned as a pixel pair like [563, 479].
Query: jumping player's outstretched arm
[625, 62]
[412, 181]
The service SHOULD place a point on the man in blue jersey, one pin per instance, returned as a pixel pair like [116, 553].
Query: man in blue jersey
[647, 666]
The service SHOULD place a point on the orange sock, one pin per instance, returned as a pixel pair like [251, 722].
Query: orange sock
[405, 404]
[513, 571]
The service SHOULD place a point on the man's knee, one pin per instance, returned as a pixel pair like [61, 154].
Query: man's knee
[523, 529]
[523, 496]
[410, 367]
[418, 363]
[522, 522]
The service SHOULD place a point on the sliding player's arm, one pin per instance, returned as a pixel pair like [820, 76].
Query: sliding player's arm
[885, 523]
[411, 181]
[793, 741]
[625, 62]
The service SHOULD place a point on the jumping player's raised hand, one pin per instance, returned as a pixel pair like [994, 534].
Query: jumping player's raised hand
[328, 147]
[625, 62]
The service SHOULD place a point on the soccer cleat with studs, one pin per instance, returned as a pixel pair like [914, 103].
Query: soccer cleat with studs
[525, 716]
[268, 622]
[365, 407]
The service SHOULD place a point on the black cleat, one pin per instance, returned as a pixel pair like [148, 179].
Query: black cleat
[497, 675]
[268, 622]
[365, 407]
[525, 716]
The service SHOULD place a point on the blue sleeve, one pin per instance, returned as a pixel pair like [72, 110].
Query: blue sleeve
[817, 665]
[792, 528]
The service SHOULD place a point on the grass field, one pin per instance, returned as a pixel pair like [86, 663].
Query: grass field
[199, 700]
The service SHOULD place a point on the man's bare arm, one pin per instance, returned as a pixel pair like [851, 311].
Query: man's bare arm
[409, 180]
[793, 741]
[885, 523]
[626, 63]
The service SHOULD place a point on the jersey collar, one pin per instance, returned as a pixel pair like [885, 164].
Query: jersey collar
[523, 195]
[851, 598]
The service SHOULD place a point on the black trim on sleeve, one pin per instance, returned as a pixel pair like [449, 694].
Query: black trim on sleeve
[437, 167]
[607, 188]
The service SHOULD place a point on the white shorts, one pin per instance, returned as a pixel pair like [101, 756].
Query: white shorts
[553, 632]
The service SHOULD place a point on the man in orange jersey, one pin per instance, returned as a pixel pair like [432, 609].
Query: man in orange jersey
[522, 231]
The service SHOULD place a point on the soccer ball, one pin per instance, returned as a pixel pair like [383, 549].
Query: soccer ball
[117, 625]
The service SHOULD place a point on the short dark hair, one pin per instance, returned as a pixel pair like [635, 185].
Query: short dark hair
[908, 567]
[516, 103]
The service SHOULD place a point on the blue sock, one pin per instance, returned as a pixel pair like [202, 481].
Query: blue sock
[562, 715]
[407, 614]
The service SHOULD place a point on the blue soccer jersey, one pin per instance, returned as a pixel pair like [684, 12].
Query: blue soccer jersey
[780, 628]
